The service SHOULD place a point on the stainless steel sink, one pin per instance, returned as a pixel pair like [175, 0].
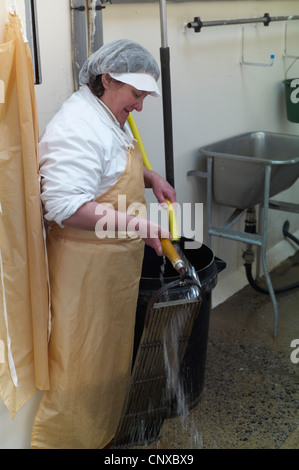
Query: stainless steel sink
[242, 172]
[239, 163]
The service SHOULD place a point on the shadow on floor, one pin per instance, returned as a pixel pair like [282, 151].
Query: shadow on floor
[251, 393]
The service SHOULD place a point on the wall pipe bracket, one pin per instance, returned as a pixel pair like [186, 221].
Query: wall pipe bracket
[197, 24]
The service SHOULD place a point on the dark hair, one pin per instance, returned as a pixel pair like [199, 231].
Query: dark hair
[97, 87]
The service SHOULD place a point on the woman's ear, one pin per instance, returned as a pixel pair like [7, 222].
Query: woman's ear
[105, 80]
[108, 82]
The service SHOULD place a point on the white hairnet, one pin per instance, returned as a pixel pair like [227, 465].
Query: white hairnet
[121, 56]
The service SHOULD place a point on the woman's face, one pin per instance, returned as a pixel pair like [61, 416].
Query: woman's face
[121, 98]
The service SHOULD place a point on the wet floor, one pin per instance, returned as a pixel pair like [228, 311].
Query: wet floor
[251, 392]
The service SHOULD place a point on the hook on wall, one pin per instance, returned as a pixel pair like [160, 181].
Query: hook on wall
[258, 64]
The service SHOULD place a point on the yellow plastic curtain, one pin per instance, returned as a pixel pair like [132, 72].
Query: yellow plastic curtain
[24, 299]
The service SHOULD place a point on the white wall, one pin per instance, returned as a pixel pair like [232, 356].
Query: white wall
[213, 96]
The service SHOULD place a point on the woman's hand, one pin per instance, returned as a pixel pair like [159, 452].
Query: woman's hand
[161, 188]
[151, 233]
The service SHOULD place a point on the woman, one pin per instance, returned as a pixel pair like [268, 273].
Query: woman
[90, 165]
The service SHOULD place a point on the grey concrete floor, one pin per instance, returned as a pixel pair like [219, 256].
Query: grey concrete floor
[251, 393]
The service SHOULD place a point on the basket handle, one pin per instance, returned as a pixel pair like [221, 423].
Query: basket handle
[166, 287]
[287, 70]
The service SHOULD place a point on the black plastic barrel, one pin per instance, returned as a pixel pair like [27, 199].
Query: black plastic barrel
[156, 273]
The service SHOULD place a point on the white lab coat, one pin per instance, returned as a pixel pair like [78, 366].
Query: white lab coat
[83, 152]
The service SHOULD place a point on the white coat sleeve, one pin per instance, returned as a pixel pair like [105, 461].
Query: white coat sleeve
[70, 168]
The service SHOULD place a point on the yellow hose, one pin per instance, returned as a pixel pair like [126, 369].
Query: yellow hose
[137, 136]
[173, 228]
[173, 256]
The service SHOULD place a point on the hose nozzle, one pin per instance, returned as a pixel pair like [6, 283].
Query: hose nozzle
[173, 256]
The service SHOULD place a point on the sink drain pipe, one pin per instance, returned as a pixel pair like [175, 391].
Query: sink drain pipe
[248, 254]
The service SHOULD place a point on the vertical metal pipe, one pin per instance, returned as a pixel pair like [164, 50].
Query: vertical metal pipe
[33, 40]
[163, 23]
[210, 162]
[95, 25]
[258, 250]
[79, 37]
[166, 96]
[264, 245]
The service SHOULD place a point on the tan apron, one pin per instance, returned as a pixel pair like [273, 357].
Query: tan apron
[94, 288]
